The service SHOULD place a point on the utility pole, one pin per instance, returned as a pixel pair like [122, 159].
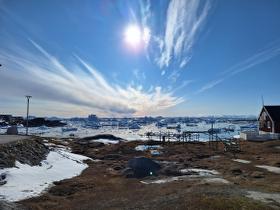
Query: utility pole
[27, 113]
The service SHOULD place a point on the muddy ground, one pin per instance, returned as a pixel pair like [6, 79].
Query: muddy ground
[103, 185]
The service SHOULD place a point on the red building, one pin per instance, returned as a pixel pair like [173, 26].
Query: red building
[269, 119]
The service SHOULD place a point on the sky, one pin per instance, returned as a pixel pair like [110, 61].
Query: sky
[127, 58]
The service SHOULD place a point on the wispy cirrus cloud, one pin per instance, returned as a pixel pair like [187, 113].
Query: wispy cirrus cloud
[184, 19]
[260, 57]
[78, 83]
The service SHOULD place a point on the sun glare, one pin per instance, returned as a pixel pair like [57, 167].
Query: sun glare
[136, 37]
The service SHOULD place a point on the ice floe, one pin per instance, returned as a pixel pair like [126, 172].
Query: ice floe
[24, 181]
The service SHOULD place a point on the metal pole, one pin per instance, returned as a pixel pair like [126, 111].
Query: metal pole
[27, 113]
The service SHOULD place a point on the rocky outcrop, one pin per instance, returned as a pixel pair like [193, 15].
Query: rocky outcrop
[30, 151]
[4, 205]
[43, 122]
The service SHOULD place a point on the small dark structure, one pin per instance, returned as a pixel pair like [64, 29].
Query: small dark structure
[269, 119]
[142, 167]
[12, 130]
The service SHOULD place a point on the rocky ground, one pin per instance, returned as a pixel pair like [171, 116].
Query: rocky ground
[27, 151]
[230, 181]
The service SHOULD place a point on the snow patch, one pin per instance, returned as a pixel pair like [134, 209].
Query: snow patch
[106, 141]
[162, 181]
[214, 157]
[242, 161]
[25, 181]
[206, 175]
[264, 197]
[216, 180]
[270, 168]
[201, 172]
[147, 147]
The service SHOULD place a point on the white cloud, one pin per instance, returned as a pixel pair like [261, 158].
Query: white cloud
[184, 62]
[183, 85]
[183, 21]
[139, 75]
[210, 85]
[78, 83]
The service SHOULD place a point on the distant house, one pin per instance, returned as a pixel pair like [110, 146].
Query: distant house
[269, 119]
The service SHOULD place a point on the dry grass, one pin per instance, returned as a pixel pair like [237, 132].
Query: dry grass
[102, 187]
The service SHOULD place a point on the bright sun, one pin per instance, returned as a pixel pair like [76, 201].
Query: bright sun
[135, 37]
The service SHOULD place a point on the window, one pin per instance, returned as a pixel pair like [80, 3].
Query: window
[268, 124]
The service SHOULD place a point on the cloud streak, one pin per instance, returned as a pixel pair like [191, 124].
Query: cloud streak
[252, 61]
[37, 72]
[184, 20]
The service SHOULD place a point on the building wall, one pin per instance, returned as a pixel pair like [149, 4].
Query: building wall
[265, 123]
[255, 136]
[277, 127]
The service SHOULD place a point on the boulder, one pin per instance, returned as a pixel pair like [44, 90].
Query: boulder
[2, 179]
[12, 130]
[143, 167]
[2, 176]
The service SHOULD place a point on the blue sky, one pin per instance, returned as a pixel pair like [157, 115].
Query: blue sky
[186, 58]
